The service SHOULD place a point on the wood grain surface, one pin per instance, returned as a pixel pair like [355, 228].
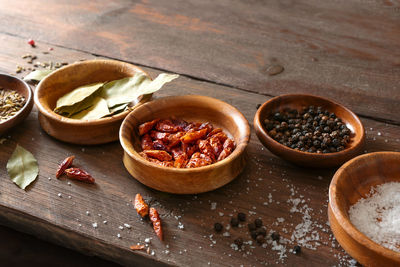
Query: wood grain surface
[344, 50]
[64, 220]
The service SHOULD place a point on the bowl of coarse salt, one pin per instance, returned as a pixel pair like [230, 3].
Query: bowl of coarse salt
[364, 208]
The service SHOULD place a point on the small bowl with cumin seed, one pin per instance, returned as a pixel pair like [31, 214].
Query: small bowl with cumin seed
[68, 78]
[16, 101]
[309, 130]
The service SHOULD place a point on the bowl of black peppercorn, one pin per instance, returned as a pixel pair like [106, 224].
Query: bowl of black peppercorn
[309, 130]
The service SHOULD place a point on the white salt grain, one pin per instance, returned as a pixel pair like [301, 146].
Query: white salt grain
[378, 215]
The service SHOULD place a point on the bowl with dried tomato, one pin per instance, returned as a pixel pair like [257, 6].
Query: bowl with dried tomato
[185, 144]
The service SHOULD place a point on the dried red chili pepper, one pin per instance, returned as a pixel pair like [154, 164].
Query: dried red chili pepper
[31, 42]
[146, 142]
[193, 136]
[79, 174]
[147, 126]
[141, 207]
[158, 154]
[64, 165]
[155, 219]
[137, 247]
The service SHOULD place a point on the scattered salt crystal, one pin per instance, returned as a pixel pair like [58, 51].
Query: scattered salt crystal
[121, 227]
[59, 195]
[379, 133]
[147, 240]
[69, 197]
[226, 234]
[94, 225]
[99, 214]
[181, 226]
[118, 235]
[127, 225]
[105, 222]
[69, 183]
[213, 205]
[87, 213]
[49, 178]
[221, 214]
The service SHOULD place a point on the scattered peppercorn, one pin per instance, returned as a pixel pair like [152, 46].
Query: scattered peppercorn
[252, 226]
[262, 232]
[218, 227]
[258, 106]
[258, 223]
[260, 239]
[296, 249]
[253, 234]
[241, 216]
[275, 236]
[312, 130]
[238, 241]
[234, 222]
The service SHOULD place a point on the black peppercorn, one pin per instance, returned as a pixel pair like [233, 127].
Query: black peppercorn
[258, 223]
[238, 241]
[312, 130]
[218, 227]
[262, 232]
[275, 236]
[296, 249]
[241, 216]
[253, 234]
[234, 222]
[260, 239]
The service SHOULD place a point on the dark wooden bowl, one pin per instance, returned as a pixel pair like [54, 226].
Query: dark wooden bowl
[298, 101]
[64, 80]
[13, 83]
[351, 182]
[191, 108]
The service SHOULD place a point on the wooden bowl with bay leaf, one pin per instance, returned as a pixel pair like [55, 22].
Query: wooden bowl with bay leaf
[190, 108]
[86, 102]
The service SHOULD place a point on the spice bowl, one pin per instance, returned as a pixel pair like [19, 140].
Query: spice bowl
[9, 82]
[308, 159]
[68, 78]
[353, 181]
[191, 108]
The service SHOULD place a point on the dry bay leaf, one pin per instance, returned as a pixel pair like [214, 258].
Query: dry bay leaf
[98, 110]
[37, 75]
[22, 167]
[129, 89]
[77, 95]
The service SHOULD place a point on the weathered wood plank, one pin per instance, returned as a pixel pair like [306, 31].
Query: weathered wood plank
[63, 220]
[344, 50]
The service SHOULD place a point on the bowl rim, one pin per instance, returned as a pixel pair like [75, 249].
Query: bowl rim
[52, 115]
[260, 129]
[27, 102]
[345, 223]
[239, 149]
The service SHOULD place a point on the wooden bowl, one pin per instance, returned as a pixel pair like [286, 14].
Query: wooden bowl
[64, 80]
[13, 83]
[298, 101]
[190, 108]
[351, 182]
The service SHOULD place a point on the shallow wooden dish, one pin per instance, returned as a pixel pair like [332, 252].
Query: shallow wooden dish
[351, 182]
[298, 101]
[66, 79]
[13, 83]
[190, 108]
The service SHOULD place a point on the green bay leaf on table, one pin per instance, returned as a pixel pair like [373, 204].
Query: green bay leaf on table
[77, 95]
[98, 110]
[37, 75]
[128, 89]
[22, 167]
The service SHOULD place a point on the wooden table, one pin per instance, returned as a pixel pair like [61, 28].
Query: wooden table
[344, 50]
